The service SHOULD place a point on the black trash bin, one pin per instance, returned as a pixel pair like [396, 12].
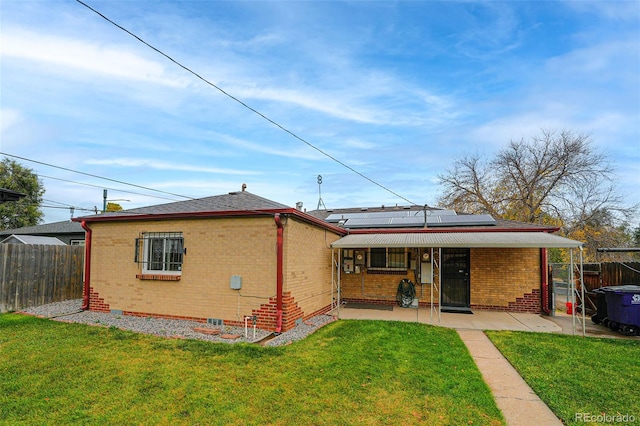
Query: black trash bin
[601, 307]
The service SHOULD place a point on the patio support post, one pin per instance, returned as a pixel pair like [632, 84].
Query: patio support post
[432, 284]
[339, 281]
[572, 300]
[584, 307]
[333, 274]
[439, 283]
[573, 292]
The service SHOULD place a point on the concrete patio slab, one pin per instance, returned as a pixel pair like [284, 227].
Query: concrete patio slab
[479, 320]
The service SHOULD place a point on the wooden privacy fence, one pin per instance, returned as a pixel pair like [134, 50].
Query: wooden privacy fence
[33, 275]
[620, 273]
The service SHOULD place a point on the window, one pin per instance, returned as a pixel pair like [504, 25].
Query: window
[162, 252]
[388, 258]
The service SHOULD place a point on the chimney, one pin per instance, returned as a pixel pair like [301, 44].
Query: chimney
[244, 187]
[299, 206]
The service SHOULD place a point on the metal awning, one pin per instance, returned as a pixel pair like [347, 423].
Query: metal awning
[457, 239]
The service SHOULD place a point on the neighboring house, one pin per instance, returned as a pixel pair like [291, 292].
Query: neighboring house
[32, 239]
[476, 262]
[70, 233]
[225, 258]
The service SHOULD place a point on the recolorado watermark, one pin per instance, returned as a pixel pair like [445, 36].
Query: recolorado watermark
[604, 418]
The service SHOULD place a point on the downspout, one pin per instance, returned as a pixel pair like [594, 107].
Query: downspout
[87, 266]
[544, 272]
[279, 274]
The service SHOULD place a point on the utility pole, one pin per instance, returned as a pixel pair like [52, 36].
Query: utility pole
[104, 203]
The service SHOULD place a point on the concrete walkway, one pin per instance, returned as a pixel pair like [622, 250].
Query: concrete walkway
[518, 403]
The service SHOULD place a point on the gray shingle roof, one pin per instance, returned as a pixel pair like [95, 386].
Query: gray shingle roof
[233, 201]
[64, 227]
[32, 239]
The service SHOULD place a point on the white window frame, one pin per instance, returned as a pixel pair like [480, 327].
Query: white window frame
[172, 244]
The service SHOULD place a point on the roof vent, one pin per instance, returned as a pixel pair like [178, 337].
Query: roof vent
[244, 187]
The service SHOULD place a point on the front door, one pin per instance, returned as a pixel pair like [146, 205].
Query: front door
[456, 285]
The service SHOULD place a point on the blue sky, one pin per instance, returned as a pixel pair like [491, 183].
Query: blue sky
[396, 90]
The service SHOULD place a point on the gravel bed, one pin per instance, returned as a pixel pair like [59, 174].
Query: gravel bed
[70, 311]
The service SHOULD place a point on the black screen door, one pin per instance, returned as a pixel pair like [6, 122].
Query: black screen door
[456, 286]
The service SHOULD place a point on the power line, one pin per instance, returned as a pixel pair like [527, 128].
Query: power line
[65, 206]
[96, 176]
[68, 208]
[243, 103]
[104, 187]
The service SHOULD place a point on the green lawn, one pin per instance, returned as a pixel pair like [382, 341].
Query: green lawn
[576, 375]
[348, 372]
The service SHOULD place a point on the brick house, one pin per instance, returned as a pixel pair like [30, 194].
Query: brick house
[456, 262]
[216, 259]
[224, 258]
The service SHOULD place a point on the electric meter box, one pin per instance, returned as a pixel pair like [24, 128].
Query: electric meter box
[347, 261]
[236, 282]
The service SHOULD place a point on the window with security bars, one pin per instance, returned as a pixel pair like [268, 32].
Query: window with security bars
[388, 258]
[160, 252]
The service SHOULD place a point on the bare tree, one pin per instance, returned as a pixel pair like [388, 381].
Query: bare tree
[555, 177]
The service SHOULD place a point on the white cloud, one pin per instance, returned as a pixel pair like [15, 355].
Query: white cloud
[367, 102]
[9, 118]
[84, 56]
[614, 10]
[599, 61]
[160, 165]
[241, 145]
[358, 143]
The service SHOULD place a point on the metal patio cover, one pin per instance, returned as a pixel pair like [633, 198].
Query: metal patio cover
[457, 239]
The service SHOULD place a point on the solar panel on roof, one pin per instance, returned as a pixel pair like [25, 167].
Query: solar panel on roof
[460, 220]
[389, 222]
[408, 219]
[441, 213]
[337, 217]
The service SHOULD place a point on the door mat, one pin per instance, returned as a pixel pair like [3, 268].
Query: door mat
[452, 310]
[368, 306]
